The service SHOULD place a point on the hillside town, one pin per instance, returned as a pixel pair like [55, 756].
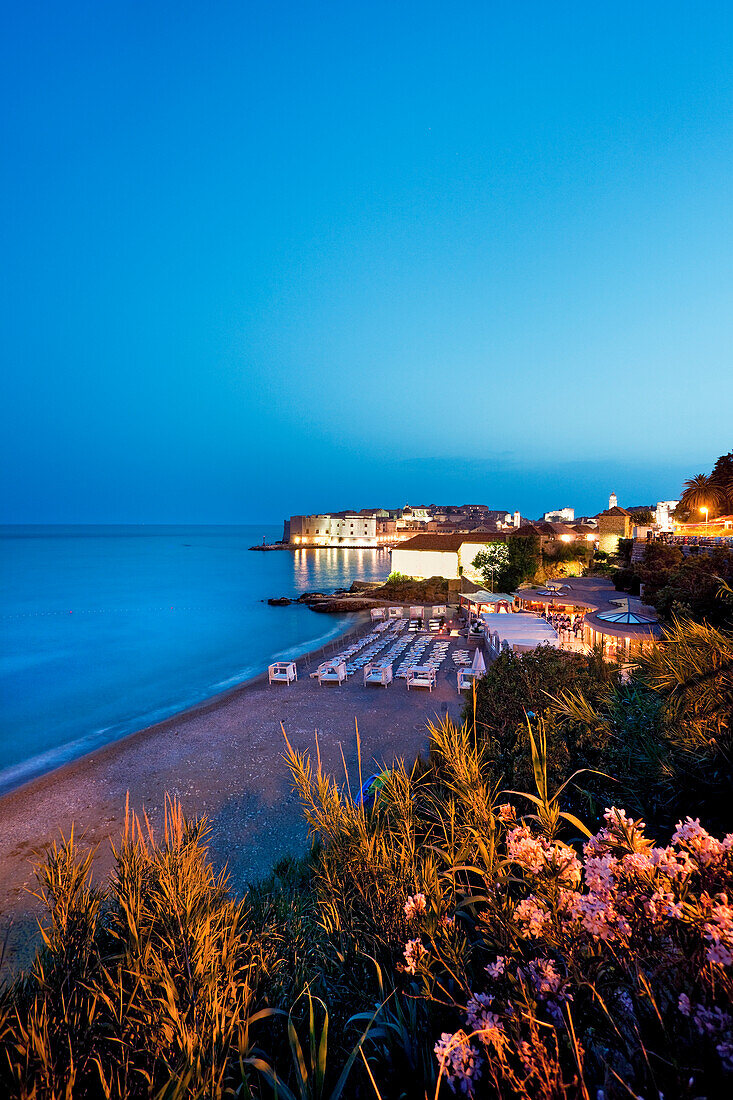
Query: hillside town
[593, 581]
[444, 529]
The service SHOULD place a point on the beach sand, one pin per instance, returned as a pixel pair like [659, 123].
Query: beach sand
[222, 758]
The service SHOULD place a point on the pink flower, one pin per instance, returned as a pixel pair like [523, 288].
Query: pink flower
[683, 1004]
[706, 849]
[544, 977]
[507, 812]
[538, 856]
[719, 930]
[532, 914]
[414, 955]
[415, 905]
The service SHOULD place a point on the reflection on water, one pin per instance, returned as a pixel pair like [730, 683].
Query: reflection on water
[103, 630]
[326, 568]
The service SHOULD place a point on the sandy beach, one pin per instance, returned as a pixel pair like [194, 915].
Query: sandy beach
[222, 758]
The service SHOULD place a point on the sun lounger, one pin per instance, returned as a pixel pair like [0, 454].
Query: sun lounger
[282, 672]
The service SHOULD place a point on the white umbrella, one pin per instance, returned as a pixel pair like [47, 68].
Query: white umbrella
[479, 664]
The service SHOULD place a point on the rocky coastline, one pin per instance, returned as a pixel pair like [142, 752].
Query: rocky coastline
[363, 595]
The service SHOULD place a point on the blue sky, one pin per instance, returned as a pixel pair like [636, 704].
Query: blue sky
[264, 258]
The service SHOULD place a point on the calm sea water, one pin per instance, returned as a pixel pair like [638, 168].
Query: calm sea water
[104, 630]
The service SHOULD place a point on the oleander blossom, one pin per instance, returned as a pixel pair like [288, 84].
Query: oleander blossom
[704, 848]
[540, 856]
[415, 905]
[671, 906]
[715, 1024]
[718, 929]
[460, 1061]
[414, 954]
[532, 916]
[507, 813]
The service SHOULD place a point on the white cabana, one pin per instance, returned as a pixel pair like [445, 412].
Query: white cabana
[439, 611]
[521, 632]
[421, 676]
[466, 677]
[331, 672]
[282, 672]
[377, 613]
[394, 612]
[376, 673]
[416, 612]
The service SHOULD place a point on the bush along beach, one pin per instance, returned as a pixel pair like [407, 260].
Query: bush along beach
[541, 908]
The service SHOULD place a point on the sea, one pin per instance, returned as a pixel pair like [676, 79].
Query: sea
[105, 630]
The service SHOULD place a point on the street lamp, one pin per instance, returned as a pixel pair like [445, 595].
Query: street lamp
[705, 510]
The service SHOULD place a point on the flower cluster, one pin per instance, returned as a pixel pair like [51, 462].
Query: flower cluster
[480, 1019]
[459, 1061]
[548, 985]
[669, 908]
[542, 857]
[627, 890]
[415, 905]
[414, 954]
[715, 1024]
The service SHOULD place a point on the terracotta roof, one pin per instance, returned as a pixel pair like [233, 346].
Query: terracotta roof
[540, 527]
[528, 529]
[615, 511]
[447, 543]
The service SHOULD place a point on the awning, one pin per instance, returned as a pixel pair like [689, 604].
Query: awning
[482, 596]
[521, 631]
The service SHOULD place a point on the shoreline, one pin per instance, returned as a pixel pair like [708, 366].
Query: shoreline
[223, 759]
[36, 771]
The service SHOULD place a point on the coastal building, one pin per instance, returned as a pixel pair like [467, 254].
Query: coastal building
[340, 529]
[561, 515]
[663, 514]
[612, 501]
[613, 524]
[587, 531]
[413, 517]
[449, 556]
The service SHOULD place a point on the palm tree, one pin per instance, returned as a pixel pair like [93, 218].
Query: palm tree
[701, 492]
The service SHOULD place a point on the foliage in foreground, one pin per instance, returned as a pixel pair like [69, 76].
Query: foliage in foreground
[457, 938]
